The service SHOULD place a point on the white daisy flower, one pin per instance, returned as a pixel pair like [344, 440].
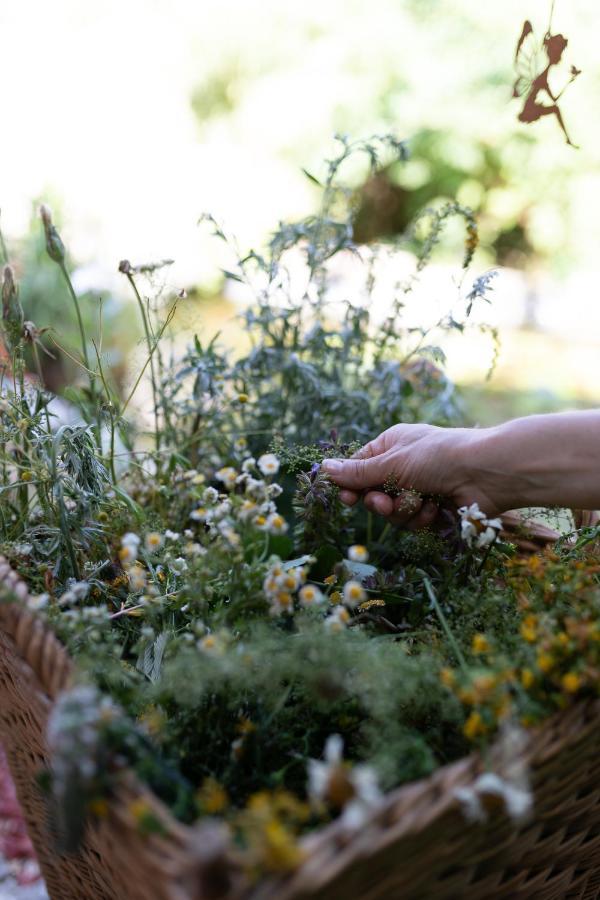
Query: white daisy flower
[210, 495]
[153, 541]
[352, 790]
[354, 594]
[487, 790]
[171, 535]
[178, 566]
[137, 578]
[358, 553]
[200, 514]
[475, 528]
[268, 464]
[310, 596]
[281, 602]
[337, 620]
[227, 475]
[276, 524]
[248, 464]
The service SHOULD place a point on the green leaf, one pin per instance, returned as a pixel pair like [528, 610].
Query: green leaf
[312, 178]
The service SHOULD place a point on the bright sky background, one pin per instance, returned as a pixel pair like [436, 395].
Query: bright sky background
[97, 114]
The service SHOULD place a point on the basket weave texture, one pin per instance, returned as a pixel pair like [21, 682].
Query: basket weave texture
[416, 846]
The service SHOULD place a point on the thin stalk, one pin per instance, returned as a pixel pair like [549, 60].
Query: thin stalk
[38, 366]
[444, 623]
[166, 323]
[86, 360]
[75, 300]
[138, 297]
[110, 411]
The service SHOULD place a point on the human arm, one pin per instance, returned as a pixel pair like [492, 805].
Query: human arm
[544, 460]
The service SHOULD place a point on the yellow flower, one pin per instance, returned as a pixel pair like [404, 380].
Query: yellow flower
[571, 682]
[335, 597]
[529, 629]
[374, 601]
[545, 662]
[331, 579]
[280, 851]
[243, 398]
[212, 797]
[447, 677]
[480, 644]
[474, 726]
[527, 679]
[140, 809]
[483, 685]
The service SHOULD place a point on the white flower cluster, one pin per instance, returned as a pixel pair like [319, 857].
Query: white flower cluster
[255, 505]
[475, 528]
[281, 585]
[351, 789]
[76, 591]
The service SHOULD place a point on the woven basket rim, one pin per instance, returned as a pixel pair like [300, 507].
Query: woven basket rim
[402, 812]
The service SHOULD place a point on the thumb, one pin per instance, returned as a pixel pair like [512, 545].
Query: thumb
[357, 474]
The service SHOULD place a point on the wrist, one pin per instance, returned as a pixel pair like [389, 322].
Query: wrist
[486, 470]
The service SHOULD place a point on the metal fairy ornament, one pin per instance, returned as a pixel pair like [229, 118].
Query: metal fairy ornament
[533, 62]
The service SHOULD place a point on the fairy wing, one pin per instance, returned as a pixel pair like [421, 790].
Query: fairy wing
[529, 60]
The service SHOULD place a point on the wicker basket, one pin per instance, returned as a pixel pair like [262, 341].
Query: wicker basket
[417, 845]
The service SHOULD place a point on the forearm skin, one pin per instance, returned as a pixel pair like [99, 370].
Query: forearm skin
[544, 460]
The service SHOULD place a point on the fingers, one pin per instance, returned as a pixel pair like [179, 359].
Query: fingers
[399, 510]
[373, 448]
[349, 498]
[424, 518]
[380, 503]
[407, 511]
[357, 474]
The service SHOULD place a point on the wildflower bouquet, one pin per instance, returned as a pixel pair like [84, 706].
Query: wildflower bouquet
[253, 650]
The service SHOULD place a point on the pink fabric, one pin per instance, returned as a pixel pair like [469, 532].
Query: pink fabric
[15, 846]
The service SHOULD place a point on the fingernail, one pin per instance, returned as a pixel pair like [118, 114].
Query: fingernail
[332, 466]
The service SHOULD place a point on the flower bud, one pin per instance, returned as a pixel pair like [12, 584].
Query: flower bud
[54, 244]
[12, 311]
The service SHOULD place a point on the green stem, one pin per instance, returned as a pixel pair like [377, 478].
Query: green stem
[75, 300]
[138, 297]
[444, 623]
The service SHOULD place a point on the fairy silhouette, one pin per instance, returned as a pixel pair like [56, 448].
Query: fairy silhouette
[532, 75]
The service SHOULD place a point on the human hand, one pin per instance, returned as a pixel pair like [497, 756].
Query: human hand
[424, 460]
